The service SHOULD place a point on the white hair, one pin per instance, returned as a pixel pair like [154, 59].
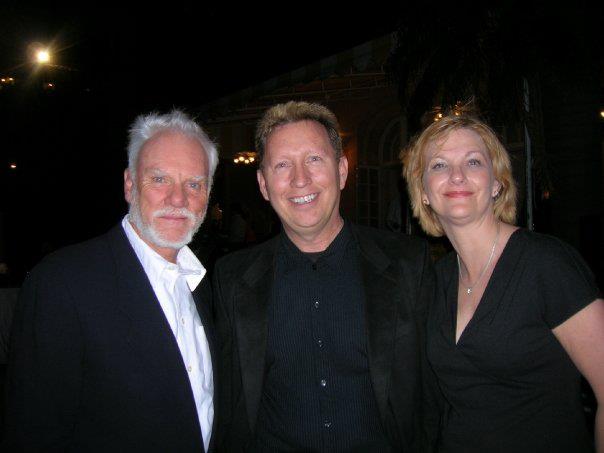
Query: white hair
[147, 126]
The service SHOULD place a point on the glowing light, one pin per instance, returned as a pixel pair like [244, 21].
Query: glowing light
[43, 56]
[245, 157]
[13, 166]
[601, 113]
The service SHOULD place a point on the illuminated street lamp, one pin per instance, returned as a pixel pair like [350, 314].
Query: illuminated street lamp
[43, 56]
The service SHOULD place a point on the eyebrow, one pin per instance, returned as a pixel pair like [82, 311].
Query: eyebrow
[467, 153]
[154, 171]
[158, 171]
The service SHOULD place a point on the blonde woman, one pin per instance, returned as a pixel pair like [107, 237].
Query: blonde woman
[517, 318]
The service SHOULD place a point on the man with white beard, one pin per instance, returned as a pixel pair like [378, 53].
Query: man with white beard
[113, 343]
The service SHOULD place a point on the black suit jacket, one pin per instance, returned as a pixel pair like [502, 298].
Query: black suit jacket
[399, 283]
[94, 365]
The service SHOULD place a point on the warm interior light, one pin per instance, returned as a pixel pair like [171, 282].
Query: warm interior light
[602, 113]
[245, 157]
[13, 166]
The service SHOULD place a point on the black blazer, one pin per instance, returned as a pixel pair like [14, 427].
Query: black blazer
[94, 365]
[399, 284]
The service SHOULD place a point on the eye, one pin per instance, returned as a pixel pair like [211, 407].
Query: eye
[313, 159]
[438, 165]
[282, 164]
[195, 185]
[158, 179]
[474, 162]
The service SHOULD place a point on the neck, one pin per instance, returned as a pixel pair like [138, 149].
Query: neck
[473, 244]
[315, 242]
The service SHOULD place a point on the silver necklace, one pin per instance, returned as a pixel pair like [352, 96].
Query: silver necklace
[484, 269]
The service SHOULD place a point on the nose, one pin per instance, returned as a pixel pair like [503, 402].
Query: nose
[301, 176]
[177, 196]
[457, 175]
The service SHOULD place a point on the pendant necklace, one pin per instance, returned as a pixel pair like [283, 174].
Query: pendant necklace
[486, 266]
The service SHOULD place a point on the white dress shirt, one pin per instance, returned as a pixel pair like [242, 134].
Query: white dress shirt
[172, 284]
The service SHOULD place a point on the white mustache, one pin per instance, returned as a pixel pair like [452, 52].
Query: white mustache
[184, 212]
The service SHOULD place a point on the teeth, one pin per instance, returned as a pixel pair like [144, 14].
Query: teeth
[304, 199]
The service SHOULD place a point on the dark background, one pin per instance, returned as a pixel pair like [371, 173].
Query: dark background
[111, 64]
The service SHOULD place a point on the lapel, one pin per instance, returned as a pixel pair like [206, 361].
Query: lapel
[202, 296]
[251, 300]
[382, 297]
[150, 336]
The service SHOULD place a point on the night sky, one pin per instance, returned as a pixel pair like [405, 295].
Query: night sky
[111, 64]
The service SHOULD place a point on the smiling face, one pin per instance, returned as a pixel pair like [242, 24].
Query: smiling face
[169, 195]
[302, 179]
[458, 179]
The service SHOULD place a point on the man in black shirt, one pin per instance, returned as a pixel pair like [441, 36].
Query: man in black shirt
[322, 327]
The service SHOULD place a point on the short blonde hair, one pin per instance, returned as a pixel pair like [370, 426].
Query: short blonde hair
[413, 158]
[293, 112]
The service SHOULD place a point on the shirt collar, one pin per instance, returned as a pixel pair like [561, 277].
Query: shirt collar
[157, 267]
[331, 256]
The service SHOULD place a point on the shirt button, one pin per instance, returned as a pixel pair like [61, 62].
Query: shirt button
[320, 343]
[326, 424]
[182, 321]
[317, 304]
[314, 266]
[189, 368]
[323, 383]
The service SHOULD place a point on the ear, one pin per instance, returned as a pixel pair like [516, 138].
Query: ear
[128, 184]
[262, 184]
[424, 198]
[343, 171]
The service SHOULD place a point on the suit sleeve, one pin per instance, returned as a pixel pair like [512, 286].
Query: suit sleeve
[45, 366]
[225, 345]
[433, 401]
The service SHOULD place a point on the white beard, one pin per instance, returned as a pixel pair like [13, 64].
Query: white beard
[150, 233]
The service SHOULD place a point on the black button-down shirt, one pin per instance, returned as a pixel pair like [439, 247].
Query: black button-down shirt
[317, 391]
